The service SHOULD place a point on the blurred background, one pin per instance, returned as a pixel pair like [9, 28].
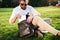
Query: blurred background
[47, 9]
[34, 3]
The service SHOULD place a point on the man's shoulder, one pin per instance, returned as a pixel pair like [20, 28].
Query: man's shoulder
[16, 8]
[29, 6]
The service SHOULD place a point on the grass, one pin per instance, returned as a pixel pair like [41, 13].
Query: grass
[9, 32]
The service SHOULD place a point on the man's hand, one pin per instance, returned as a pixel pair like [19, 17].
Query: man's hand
[18, 16]
[29, 19]
[12, 21]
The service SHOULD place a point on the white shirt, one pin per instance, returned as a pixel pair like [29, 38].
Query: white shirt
[23, 13]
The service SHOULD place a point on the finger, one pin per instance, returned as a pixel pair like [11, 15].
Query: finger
[28, 20]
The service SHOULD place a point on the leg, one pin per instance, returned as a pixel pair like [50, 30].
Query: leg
[37, 32]
[43, 25]
[47, 20]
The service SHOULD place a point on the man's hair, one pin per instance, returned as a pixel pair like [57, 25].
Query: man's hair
[22, 0]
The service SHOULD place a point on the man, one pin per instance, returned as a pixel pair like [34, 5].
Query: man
[20, 13]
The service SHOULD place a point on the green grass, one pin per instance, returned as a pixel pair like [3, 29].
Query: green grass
[9, 32]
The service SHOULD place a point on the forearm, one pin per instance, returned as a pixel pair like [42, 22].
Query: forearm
[12, 21]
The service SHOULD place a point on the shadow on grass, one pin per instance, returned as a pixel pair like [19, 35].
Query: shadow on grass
[13, 36]
[50, 37]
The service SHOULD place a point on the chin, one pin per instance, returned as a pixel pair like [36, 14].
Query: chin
[24, 8]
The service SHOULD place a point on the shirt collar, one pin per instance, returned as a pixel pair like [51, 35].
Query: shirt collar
[22, 9]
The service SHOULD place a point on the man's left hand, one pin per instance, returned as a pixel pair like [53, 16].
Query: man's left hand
[29, 19]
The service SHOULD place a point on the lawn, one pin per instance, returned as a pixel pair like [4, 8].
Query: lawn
[9, 32]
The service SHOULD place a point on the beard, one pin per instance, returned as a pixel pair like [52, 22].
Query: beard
[23, 8]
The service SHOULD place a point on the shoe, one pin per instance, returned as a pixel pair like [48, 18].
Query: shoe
[58, 34]
[39, 34]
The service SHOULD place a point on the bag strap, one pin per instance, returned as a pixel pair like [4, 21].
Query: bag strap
[27, 15]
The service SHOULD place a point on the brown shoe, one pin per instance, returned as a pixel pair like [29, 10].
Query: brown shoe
[39, 34]
[58, 34]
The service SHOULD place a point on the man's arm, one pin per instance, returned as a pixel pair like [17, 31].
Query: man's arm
[32, 14]
[12, 20]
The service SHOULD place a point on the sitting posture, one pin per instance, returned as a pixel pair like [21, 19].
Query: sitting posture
[20, 13]
[27, 29]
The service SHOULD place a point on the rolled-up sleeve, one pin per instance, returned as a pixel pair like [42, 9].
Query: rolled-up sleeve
[14, 12]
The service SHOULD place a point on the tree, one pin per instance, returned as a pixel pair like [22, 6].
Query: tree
[6, 3]
[53, 2]
[38, 2]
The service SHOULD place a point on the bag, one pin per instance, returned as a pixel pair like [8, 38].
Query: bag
[25, 29]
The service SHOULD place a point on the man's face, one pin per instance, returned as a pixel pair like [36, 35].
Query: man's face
[23, 5]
